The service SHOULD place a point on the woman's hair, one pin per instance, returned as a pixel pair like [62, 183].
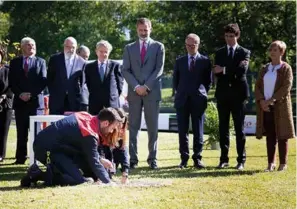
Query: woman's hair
[115, 137]
[280, 44]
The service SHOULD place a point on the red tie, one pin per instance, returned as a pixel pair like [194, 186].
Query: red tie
[26, 66]
[143, 52]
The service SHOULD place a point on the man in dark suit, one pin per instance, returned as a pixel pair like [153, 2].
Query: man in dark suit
[65, 79]
[27, 78]
[84, 52]
[143, 64]
[191, 81]
[104, 80]
[231, 65]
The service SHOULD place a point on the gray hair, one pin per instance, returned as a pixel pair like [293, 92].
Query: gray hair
[83, 48]
[70, 38]
[193, 36]
[26, 40]
[105, 44]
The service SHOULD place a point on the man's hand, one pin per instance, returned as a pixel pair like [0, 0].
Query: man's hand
[218, 69]
[124, 179]
[141, 90]
[25, 96]
[106, 163]
[243, 63]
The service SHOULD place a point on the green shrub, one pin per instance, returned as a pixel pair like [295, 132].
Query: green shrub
[211, 124]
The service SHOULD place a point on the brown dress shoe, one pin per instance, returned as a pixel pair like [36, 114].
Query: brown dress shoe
[282, 167]
[270, 168]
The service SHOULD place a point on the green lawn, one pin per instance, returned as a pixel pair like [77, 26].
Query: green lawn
[188, 188]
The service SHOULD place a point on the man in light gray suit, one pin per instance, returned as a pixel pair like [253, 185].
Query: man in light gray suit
[64, 79]
[143, 63]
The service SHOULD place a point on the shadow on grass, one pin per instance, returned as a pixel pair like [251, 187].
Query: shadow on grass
[12, 173]
[175, 172]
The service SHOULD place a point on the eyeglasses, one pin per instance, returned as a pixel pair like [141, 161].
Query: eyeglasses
[191, 45]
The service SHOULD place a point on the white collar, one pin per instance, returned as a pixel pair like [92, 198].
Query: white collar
[104, 62]
[274, 67]
[197, 55]
[234, 47]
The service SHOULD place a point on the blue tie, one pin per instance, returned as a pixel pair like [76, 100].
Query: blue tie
[101, 72]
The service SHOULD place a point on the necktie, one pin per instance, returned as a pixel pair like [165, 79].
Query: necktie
[143, 52]
[26, 66]
[192, 64]
[101, 72]
[230, 55]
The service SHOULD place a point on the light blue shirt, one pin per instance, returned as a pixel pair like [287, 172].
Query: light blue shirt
[196, 56]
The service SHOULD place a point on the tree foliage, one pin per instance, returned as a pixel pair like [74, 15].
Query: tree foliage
[49, 23]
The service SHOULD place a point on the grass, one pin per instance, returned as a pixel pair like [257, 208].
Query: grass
[188, 188]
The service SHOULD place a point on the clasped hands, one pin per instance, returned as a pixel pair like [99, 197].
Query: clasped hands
[219, 69]
[25, 96]
[265, 104]
[141, 90]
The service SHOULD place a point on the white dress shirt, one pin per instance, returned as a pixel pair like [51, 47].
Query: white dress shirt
[69, 64]
[141, 42]
[196, 56]
[270, 79]
[234, 47]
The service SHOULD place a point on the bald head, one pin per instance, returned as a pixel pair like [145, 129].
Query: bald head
[70, 45]
[84, 52]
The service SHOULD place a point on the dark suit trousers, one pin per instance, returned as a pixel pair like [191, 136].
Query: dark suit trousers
[271, 140]
[22, 118]
[237, 109]
[5, 119]
[183, 117]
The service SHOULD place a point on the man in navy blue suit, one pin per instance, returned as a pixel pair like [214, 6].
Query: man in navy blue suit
[191, 81]
[104, 80]
[65, 79]
[27, 77]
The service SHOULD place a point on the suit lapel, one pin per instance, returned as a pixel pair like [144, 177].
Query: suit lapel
[236, 52]
[136, 51]
[63, 65]
[108, 67]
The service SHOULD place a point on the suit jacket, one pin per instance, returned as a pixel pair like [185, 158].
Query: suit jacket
[233, 84]
[149, 73]
[192, 84]
[34, 82]
[106, 93]
[59, 85]
[5, 88]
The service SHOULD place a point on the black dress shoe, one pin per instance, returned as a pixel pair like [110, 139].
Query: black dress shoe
[223, 165]
[133, 165]
[33, 175]
[153, 165]
[199, 164]
[240, 166]
[183, 164]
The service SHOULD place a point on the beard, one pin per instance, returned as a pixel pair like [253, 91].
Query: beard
[69, 54]
[104, 131]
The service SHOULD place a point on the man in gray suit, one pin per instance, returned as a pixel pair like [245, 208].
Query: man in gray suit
[143, 63]
[64, 78]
